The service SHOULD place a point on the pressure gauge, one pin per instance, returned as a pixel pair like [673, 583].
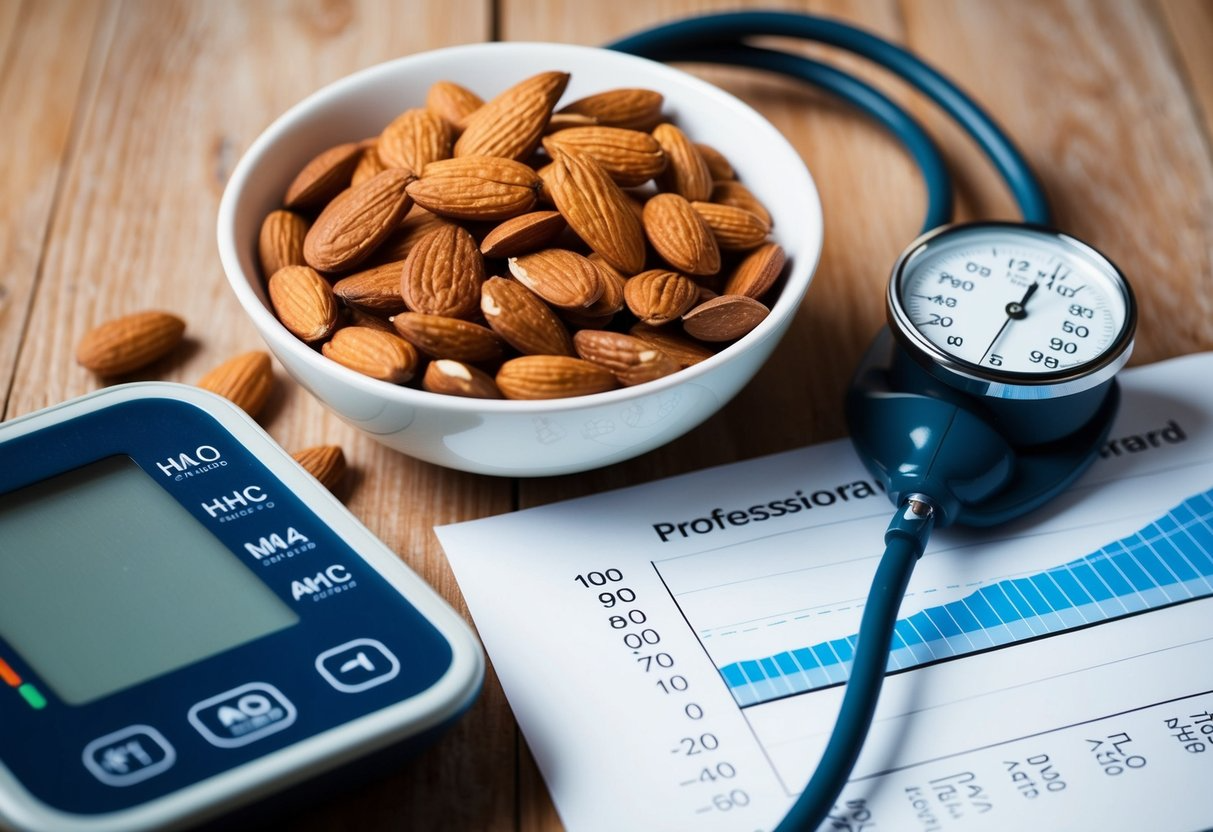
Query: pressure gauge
[1011, 311]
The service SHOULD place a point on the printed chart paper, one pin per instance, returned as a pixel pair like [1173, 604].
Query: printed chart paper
[675, 652]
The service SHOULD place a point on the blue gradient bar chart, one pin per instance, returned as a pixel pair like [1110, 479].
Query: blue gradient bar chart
[1167, 561]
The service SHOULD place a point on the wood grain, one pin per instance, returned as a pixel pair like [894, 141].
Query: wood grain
[124, 119]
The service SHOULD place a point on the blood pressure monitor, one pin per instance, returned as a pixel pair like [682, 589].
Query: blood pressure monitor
[189, 621]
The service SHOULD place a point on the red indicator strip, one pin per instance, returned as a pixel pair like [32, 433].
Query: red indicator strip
[28, 692]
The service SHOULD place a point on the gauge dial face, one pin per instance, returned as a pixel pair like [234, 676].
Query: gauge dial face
[1012, 304]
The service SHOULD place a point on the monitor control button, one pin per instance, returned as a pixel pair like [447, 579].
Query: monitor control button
[242, 715]
[358, 665]
[129, 756]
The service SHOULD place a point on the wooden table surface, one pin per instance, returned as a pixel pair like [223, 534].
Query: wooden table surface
[123, 118]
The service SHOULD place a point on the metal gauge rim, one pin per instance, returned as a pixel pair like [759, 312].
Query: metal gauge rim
[1009, 384]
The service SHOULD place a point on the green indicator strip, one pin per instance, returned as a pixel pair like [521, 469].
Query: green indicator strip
[33, 696]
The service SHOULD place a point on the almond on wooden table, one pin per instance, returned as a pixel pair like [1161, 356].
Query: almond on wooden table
[454, 378]
[525, 322]
[443, 273]
[552, 377]
[322, 178]
[725, 318]
[443, 337]
[512, 124]
[125, 344]
[280, 242]
[597, 209]
[373, 353]
[632, 108]
[304, 302]
[680, 235]
[245, 380]
[324, 462]
[357, 220]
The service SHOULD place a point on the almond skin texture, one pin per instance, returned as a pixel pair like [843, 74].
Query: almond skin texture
[303, 302]
[526, 323]
[373, 353]
[686, 171]
[414, 139]
[685, 351]
[416, 226]
[552, 377]
[680, 235]
[597, 210]
[631, 360]
[512, 124]
[561, 277]
[376, 289]
[454, 378]
[718, 165]
[476, 188]
[734, 193]
[629, 156]
[280, 242]
[522, 234]
[125, 344]
[357, 220]
[755, 275]
[443, 273]
[245, 380]
[725, 318]
[735, 229]
[631, 108]
[452, 102]
[323, 177]
[450, 337]
[369, 165]
[324, 462]
[657, 296]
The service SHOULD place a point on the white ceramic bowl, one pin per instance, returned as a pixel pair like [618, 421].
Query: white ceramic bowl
[520, 438]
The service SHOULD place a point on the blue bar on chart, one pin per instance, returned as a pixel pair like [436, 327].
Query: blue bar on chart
[1166, 561]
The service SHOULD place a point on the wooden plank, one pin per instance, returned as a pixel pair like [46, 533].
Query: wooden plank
[182, 89]
[1121, 151]
[41, 91]
[1190, 25]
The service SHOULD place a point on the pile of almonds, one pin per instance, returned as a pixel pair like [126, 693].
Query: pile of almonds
[505, 248]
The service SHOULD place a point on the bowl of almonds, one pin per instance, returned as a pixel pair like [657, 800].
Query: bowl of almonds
[521, 259]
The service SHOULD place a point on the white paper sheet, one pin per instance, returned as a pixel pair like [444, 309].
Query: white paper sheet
[673, 651]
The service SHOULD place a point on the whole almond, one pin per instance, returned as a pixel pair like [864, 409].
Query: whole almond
[597, 210]
[631, 360]
[376, 289]
[685, 351]
[443, 273]
[680, 235]
[631, 108]
[754, 276]
[280, 242]
[323, 177]
[443, 337]
[127, 343]
[735, 229]
[413, 139]
[561, 277]
[476, 188]
[730, 192]
[725, 318]
[455, 378]
[245, 380]
[373, 353]
[658, 296]
[552, 377]
[611, 300]
[629, 156]
[718, 165]
[522, 234]
[303, 301]
[357, 220]
[369, 165]
[511, 124]
[324, 462]
[526, 323]
[686, 171]
[452, 102]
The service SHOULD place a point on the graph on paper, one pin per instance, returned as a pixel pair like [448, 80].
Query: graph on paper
[1166, 561]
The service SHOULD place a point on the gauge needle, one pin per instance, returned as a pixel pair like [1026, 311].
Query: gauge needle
[1016, 311]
